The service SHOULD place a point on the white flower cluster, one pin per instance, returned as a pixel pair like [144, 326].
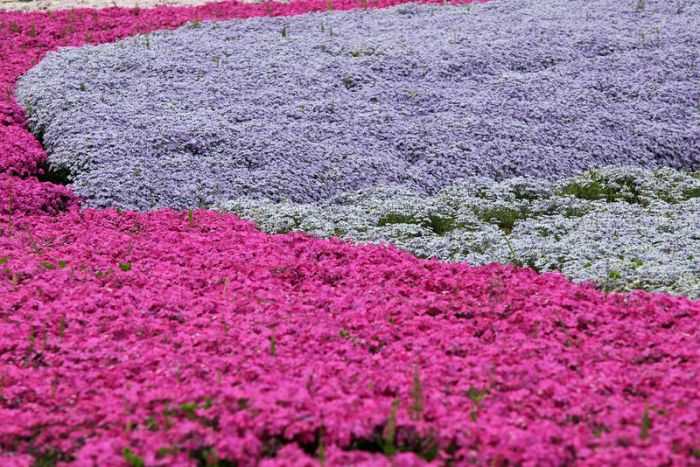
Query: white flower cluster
[622, 228]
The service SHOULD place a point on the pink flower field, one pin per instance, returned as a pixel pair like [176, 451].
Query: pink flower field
[192, 338]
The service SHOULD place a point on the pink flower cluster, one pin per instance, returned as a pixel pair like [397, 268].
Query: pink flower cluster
[173, 338]
[175, 335]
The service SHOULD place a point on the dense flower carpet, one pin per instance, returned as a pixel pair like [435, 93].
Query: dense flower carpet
[479, 180]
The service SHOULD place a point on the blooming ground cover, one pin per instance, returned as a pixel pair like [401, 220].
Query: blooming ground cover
[180, 338]
[45, 5]
[622, 228]
[310, 106]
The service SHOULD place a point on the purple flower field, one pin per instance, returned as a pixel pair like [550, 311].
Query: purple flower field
[305, 107]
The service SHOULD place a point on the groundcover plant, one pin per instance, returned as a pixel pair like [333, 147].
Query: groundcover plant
[190, 338]
[45, 5]
[306, 107]
[169, 337]
[622, 228]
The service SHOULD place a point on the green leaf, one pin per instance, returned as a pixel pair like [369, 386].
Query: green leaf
[417, 397]
[476, 395]
[348, 82]
[125, 266]
[389, 433]
[189, 409]
[167, 451]
[646, 426]
[151, 424]
[132, 459]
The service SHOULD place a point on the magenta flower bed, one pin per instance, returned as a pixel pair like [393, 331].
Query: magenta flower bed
[174, 338]
[175, 334]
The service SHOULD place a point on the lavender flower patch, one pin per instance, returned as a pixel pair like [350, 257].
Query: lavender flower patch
[621, 228]
[414, 97]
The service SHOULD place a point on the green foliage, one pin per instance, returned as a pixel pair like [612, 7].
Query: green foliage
[561, 324]
[438, 224]
[167, 451]
[62, 327]
[396, 219]
[132, 459]
[50, 458]
[598, 187]
[273, 345]
[189, 409]
[691, 193]
[362, 53]
[598, 429]
[151, 424]
[125, 266]
[646, 425]
[349, 83]
[476, 396]
[387, 441]
[429, 450]
[321, 452]
[166, 416]
[207, 457]
[614, 278]
[514, 257]
[15, 28]
[417, 397]
[504, 218]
